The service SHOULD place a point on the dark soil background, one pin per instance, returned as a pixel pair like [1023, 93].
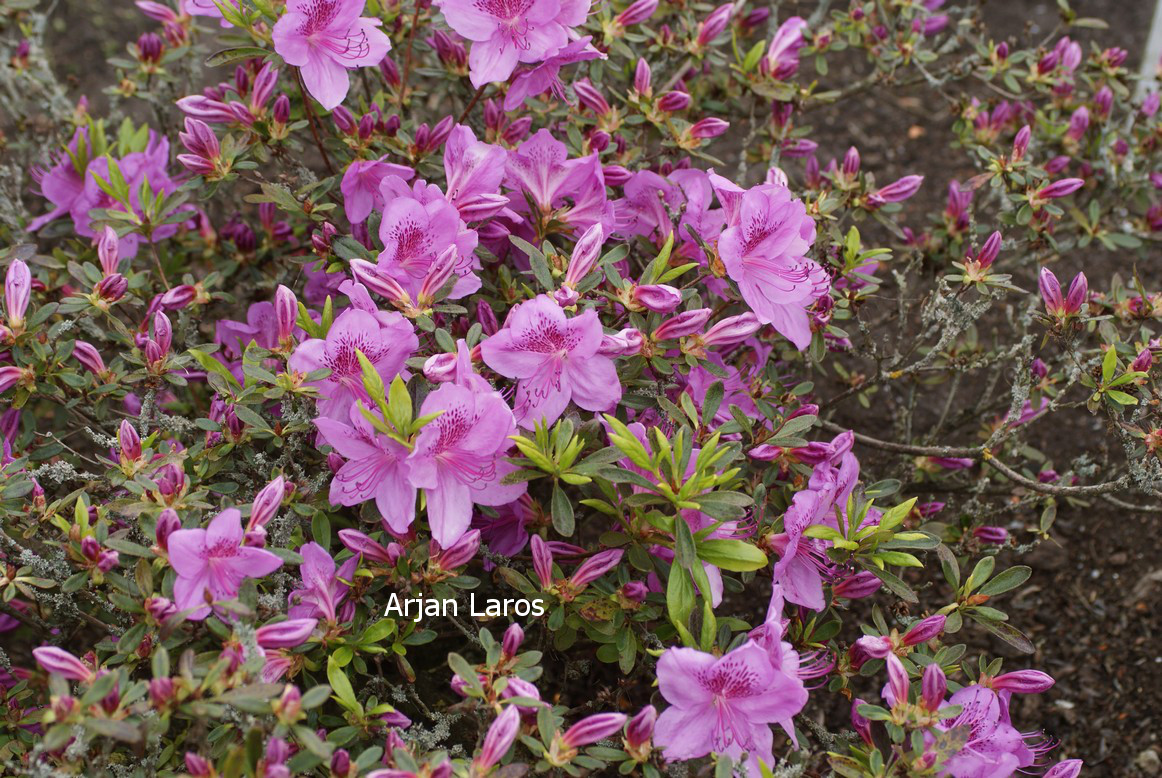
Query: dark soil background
[1092, 606]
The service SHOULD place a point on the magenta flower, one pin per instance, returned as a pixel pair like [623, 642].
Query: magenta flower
[505, 33]
[782, 57]
[764, 248]
[458, 458]
[386, 339]
[555, 359]
[418, 225]
[1062, 307]
[324, 588]
[895, 192]
[994, 746]
[545, 76]
[474, 171]
[375, 470]
[360, 186]
[325, 39]
[724, 705]
[571, 190]
[214, 560]
[17, 293]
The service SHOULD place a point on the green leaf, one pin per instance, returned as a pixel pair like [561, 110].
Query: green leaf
[729, 554]
[1109, 364]
[562, 512]
[344, 692]
[230, 56]
[1006, 581]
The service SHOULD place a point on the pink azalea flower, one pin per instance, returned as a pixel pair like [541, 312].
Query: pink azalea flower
[418, 225]
[458, 458]
[724, 705]
[545, 77]
[324, 589]
[649, 198]
[385, 338]
[214, 560]
[555, 360]
[375, 470]
[360, 186]
[61, 184]
[994, 746]
[764, 248]
[474, 171]
[505, 33]
[325, 39]
[571, 190]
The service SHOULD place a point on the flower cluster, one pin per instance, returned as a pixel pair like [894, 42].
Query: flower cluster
[424, 323]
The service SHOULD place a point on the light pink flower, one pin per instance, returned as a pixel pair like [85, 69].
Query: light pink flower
[325, 39]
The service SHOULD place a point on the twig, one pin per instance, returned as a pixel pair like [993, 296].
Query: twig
[407, 57]
[475, 99]
[314, 122]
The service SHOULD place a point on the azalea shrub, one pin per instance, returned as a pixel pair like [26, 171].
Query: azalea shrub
[490, 388]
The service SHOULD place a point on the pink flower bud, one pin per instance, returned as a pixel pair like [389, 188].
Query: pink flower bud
[161, 691]
[1061, 188]
[933, 687]
[157, 11]
[635, 591]
[266, 503]
[500, 737]
[167, 523]
[440, 368]
[895, 192]
[285, 634]
[1070, 768]
[592, 729]
[129, 442]
[107, 560]
[590, 97]
[1051, 292]
[869, 647]
[732, 330]
[1078, 124]
[586, 252]
[862, 584]
[616, 175]
[108, 248]
[542, 561]
[461, 553]
[60, 662]
[1151, 104]
[685, 323]
[674, 101]
[1103, 101]
[637, 12]
[642, 78]
[286, 312]
[715, 23]
[356, 542]
[898, 684]
[198, 767]
[112, 288]
[162, 331]
[1021, 143]
[344, 120]
[640, 728]
[996, 536]
[367, 273]
[924, 630]
[625, 343]
[513, 637]
[595, 567]
[861, 725]
[988, 252]
[89, 357]
[1143, 361]
[658, 298]
[17, 293]
[1023, 682]
[851, 163]
[177, 298]
[710, 127]
[1077, 295]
